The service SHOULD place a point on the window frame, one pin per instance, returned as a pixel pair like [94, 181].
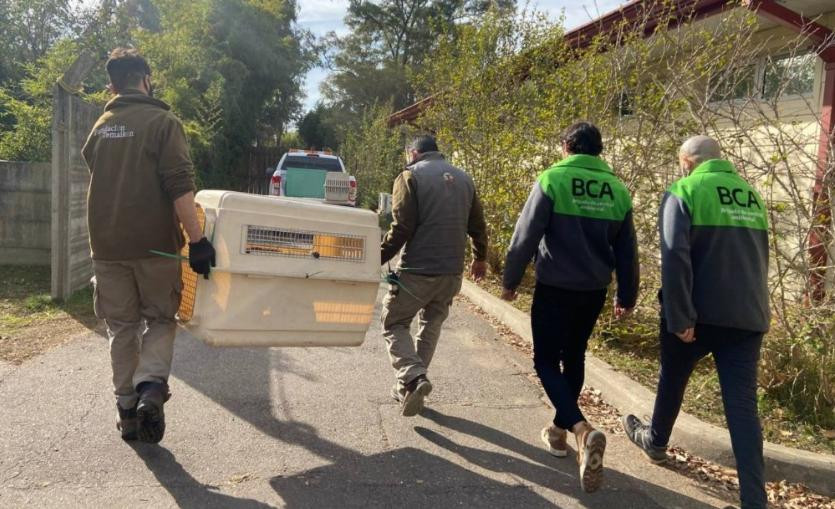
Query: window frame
[760, 67]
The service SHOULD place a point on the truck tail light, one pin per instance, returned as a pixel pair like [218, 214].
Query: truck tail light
[276, 185]
[352, 191]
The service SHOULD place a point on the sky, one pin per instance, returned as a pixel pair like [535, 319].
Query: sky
[323, 16]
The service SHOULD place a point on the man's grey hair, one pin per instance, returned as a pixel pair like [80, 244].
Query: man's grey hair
[700, 149]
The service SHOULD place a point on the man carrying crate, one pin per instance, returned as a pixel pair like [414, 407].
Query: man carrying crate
[434, 208]
[141, 188]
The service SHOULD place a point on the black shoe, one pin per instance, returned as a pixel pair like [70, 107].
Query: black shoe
[149, 412]
[641, 436]
[416, 390]
[126, 422]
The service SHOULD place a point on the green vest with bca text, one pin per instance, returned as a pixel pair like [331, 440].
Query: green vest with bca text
[583, 185]
[717, 196]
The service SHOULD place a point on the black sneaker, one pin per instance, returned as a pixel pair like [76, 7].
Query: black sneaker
[641, 436]
[416, 390]
[149, 412]
[126, 422]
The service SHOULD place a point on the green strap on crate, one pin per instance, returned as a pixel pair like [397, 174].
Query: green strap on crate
[168, 255]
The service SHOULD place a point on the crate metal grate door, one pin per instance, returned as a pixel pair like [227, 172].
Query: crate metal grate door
[268, 241]
[189, 277]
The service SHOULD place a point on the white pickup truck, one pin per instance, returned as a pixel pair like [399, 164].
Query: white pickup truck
[313, 174]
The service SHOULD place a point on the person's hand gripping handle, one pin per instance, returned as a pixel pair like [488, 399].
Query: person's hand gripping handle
[201, 256]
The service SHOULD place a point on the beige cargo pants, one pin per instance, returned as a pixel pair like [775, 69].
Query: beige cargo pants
[138, 300]
[431, 297]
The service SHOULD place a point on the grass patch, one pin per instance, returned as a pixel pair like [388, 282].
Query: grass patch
[631, 346]
[30, 321]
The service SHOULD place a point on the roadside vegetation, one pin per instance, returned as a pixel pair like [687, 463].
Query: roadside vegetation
[30, 321]
[232, 70]
[504, 88]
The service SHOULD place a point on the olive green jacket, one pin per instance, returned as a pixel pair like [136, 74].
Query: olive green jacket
[139, 163]
[435, 208]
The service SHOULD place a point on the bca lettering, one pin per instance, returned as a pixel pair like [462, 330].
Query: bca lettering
[593, 188]
[738, 197]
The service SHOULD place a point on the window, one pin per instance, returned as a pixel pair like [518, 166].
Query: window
[734, 84]
[312, 163]
[767, 78]
[789, 75]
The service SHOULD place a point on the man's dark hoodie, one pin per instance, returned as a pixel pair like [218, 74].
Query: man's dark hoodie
[139, 163]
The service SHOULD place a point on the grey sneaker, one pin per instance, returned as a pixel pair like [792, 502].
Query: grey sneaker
[555, 441]
[126, 422]
[641, 436]
[416, 391]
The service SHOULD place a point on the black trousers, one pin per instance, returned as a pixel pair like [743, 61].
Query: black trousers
[736, 354]
[561, 322]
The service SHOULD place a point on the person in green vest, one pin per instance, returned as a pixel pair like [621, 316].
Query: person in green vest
[714, 300]
[577, 224]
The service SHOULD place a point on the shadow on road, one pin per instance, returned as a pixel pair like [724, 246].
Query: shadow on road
[240, 381]
[543, 469]
[187, 491]
[405, 477]
[249, 383]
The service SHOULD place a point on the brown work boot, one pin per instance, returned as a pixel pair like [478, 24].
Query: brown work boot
[591, 444]
[554, 439]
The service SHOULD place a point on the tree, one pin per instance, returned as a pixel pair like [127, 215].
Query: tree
[389, 40]
[28, 29]
[26, 111]
[232, 70]
[26, 94]
[316, 128]
[373, 153]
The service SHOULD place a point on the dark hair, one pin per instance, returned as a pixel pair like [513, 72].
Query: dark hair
[126, 68]
[425, 143]
[583, 138]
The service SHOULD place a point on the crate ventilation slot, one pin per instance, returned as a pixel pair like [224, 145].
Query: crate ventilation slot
[267, 241]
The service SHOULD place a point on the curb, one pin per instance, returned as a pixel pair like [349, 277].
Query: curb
[816, 471]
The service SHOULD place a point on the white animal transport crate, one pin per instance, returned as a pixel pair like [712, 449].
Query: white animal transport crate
[290, 272]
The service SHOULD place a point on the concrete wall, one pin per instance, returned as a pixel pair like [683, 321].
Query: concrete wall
[25, 213]
[71, 123]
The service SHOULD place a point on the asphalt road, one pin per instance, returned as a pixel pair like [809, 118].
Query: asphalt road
[307, 428]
